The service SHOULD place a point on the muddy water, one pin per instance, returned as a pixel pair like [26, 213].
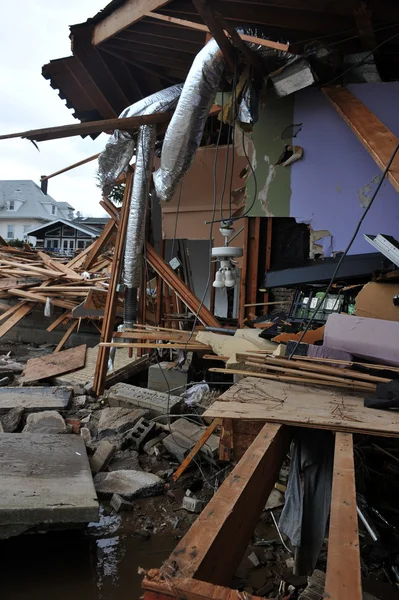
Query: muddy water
[98, 563]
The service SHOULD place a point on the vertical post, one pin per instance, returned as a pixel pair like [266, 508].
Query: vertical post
[112, 296]
[252, 261]
[243, 280]
[343, 581]
[158, 317]
[269, 232]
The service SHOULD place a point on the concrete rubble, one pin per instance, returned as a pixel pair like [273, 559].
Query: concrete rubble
[48, 421]
[128, 484]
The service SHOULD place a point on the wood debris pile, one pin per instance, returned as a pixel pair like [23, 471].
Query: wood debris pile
[34, 277]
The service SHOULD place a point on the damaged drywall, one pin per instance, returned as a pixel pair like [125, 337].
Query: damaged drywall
[320, 243]
[366, 192]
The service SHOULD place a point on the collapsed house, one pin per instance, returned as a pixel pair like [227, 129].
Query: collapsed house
[252, 142]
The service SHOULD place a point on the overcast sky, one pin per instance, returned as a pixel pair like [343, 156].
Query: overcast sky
[31, 33]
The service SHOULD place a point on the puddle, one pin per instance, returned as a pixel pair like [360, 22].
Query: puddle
[98, 563]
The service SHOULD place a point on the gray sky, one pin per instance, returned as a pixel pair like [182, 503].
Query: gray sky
[31, 33]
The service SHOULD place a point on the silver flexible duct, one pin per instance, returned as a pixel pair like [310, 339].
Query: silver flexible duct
[120, 147]
[186, 127]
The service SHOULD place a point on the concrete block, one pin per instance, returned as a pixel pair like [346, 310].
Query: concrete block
[162, 379]
[48, 421]
[11, 421]
[193, 432]
[86, 435]
[177, 445]
[152, 447]
[102, 456]
[34, 399]
[79, 401]
[128, 484]
[45, 479]
[139, 433]
[118, 420]
[157, 403]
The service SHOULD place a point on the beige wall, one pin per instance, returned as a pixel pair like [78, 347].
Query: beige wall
[197, 198]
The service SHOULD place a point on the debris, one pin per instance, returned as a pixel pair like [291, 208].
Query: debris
[119, 504]
[227, 345]
[86, 435]
[311, 337]
[184, 436]
[192, 504]
[156, 403]
[275, 500]
[254, 559]
[118, 420]
[48, 421]
[11, 420]
[139, 433]
[162, 378]
[102, 456]
[375, 301]
[125, 460]
[74, 424]
[152, 448]
[79, 401]
[128, 484]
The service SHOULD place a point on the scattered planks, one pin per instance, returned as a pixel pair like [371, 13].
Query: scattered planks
[54, 364]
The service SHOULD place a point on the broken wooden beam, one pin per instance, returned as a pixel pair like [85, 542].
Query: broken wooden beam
[343, 580]
[229, 520]
[190, 589]
[194, 451]
[208, 16]
[378, 140]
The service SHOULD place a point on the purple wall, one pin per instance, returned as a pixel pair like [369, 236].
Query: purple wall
[336, 173]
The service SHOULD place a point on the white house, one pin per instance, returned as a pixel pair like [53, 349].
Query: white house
[24, 206]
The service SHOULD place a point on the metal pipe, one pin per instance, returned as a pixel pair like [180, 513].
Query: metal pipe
[370, 530]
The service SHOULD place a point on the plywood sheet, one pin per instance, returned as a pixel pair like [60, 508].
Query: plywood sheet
[54, 364]
[256, 399]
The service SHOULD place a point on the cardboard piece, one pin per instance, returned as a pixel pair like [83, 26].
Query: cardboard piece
[375, 301]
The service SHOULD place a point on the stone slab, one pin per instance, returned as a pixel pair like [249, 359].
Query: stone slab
[128, 484]
[118, 420]
[34, 399]
[45, 478]
[48, 421]
[157, 403]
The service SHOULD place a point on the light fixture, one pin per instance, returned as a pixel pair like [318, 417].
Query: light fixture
[229, 279]
[226, 276]
[219, 279]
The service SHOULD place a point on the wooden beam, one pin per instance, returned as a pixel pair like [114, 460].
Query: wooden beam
[78, 164]
[180, 288]
[228, 521]
[66, 335]
[378, 140]
[204, 28]
[92, 127]
[130, 12]
[99, 244]
[112, 295]
[343, 580]
[19, 314]
[243, 277]
[209, 18]
[190, 589]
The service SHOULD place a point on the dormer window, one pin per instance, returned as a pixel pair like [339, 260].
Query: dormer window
[53, 209]
[11, 205]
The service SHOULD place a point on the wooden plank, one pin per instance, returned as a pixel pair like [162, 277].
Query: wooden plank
[226, 443]
[39, 298]
[66, 335]
[111, 302]
[59, 320]
[252, 256]
[180, 288]
[70, 273]
[99, 244]
[65, 169]
[194, 451]
[88, 128]
[54, 364]
[254, 399]
[199, 27]
[189, 589]
[124, 16]
[243, 278]
[378, 140]
[229, 519]
[177, 346]
[11, 310]
[343, 579]
[28, 267]
[15, 318]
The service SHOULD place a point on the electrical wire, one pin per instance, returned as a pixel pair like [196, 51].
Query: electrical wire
[321, 300]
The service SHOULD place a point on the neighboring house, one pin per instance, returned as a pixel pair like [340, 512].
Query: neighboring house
[64, 236]
[97, 222]
[23, 206]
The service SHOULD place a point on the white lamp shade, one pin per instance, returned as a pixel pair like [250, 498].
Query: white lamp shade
[219, 279]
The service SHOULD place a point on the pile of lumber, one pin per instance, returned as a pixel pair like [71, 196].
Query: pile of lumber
[32, 277]
[149, 336]
[326, 372]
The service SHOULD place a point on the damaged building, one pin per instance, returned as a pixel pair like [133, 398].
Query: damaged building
[223, 357]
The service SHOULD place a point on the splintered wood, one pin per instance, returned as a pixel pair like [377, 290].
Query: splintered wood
[302, 406]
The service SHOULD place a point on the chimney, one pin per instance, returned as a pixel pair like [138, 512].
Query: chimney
[43, 184]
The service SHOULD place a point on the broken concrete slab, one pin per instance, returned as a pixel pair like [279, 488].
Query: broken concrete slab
[161, 378]
[184, 435]
[157, 403]
[125, 460]
[44, 479]
[12, 419]
[48, 421]
[102, 456]
[128, 484]
[33, 399]
[118, 420]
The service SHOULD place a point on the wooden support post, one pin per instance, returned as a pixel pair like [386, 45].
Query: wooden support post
[226, 443]
[269, 233]
[378, 140]
[213, 547]
[158, 316]
[112, 296]
[252, 261]
[243, 278]
[343, 581]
